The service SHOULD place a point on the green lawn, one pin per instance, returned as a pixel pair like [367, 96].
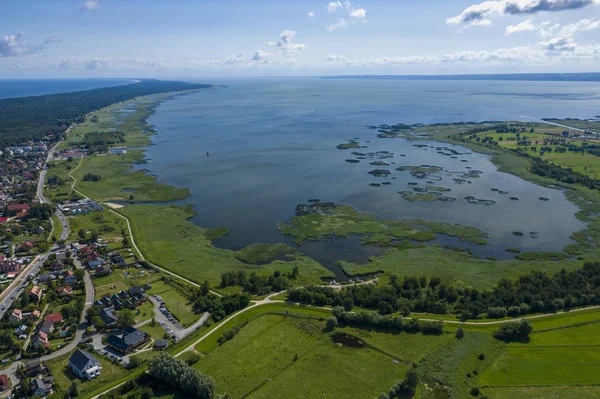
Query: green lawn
[530, 365]
[178, 304]
[166, 238]
[261, 358]
[58, 227]
[63, 375]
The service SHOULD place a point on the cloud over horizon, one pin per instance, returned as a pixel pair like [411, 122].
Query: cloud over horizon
[480, 14]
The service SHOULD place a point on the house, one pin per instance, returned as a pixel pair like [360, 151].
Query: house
[84, 365]
[35, 294]
[4, 382]
[70, 277]
[118, 260]
[108, 316]
[25, 247]
[102, 271]
[61, 255]
[41, 340]
[35, 314]
[54, 318]
[33, 368]
[64, 331]
[127, 342]
[40, 388]
[16, 315]
[64, 291]
[43, 278]
[147, 287]
[58, 266]
[47, 327]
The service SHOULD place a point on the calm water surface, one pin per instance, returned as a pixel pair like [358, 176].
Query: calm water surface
[272, 145]
[10, 88]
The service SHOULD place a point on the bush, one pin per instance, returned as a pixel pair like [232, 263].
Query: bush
[514, 331]
[331, 323]
[475, 391]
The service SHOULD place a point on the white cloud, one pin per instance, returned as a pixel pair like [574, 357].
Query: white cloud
[334, 6]
[234, 59]
[341, 24]
[286, 44]
[358, 13]
[525, 26]
[89, 5]
[563, 39]
[483, 11]
[13, 46]
[261, 56]
[311, 14]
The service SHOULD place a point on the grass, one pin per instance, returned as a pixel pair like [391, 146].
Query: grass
[453, 368]
[452, 266]
[58, 227]
[120, 183]
[106, 223]
[544, 366]
[344, 220]
[404, 346]
[178, 304]
[63, 375]
[556, 392]
[157, 332]
[260, 361]
[166, 238]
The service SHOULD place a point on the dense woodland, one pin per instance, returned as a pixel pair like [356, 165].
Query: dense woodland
[31, 118]
[535, 292]
[101, 141]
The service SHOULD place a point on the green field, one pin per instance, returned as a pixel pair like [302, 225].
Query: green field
[533, 365]
[452, 266]
[166, 238]
[260, 361]
[588, 392]
[107, 224]
[454, 368]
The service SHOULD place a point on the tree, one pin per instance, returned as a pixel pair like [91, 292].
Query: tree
[514, 331]
[81, 233]
[460, 333]
[411, 379]
[94, 236]
[180, 376]
[74, 389]
[134, 362]
[331, 323]
[125, 319]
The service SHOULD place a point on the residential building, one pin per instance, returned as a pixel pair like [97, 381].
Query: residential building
[54, 317]
[64, 291]
[108, 317]
[35, 294]
[84, 365]
[127, 342]
[40, 388]
[16, 315]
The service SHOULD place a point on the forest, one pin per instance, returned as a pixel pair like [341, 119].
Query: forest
[32, 118]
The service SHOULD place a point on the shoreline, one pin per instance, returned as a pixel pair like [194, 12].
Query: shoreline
[348, 268]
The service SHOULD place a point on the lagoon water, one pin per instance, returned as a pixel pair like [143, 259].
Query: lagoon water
[272, 145]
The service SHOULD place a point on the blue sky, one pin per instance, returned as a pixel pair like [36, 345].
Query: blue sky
[164, 38]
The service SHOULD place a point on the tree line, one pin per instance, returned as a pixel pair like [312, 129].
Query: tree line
[259, 285]
[534, 292]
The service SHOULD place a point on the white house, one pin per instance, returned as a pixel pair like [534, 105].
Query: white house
[84, 365]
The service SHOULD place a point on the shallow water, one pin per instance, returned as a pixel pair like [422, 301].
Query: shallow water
[272, 145]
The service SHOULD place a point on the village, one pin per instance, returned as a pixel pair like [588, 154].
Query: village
[82, 297]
